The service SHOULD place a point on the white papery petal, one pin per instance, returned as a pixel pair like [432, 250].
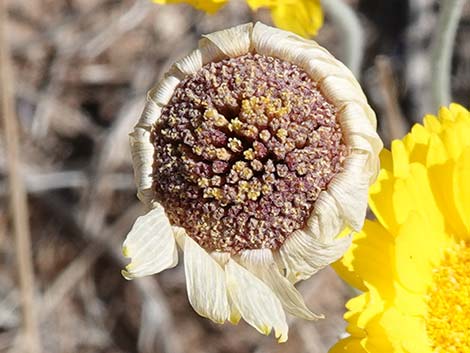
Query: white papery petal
[205, 282]
[255, 301]
[307, 54]
[349, 189]
[163, 91]
[210, 52]
[180, 235]
[354, 121]
[235, 314]
[142, 157]
[150, 245]
[327, 218]
[233, 42]
[285, 45]
[190, 64]
[261, 262]
[303, 255]
[339, 91]
[320, 68]
[150, 115]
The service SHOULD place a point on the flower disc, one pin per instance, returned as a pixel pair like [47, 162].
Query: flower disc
[242, 151]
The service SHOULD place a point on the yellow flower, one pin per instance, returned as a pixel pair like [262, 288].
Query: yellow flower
[413, 262]
[252, 154]
[304, 17]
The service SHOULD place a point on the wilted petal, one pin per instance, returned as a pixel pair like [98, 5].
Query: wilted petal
[255, 301]
[191, 63]
[261, 263]
[163, 91]
[326, 218]
[339, 91]
[321, 67]
[358, 124]
[303, 255]
[180, 235]
[150, 245]
[234, 41]
[149, 116]
[142, 155]
[274, 42]
[349, 189]
[205, 282]
[354, 119]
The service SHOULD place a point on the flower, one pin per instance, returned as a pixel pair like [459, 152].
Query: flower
[304, 17]
[413, 262]
[253, 152]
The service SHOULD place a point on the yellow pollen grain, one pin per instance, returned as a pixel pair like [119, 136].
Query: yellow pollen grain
[223, 154]
[282, 134]
[448, 319]
[249, 154]
[203, 182]
[235, 144]
[197, 150]
[264, 135]
[253, 195]
[235, 125]
[246, 173]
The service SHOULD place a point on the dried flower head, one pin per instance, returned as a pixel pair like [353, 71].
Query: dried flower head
[253, 153]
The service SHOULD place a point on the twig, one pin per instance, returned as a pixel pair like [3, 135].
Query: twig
[41, 182]
[18, 199]
[442, 50]
[131, 18]
[348, 23]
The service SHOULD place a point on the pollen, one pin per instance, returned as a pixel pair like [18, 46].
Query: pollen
[242, 151]
[448, 321]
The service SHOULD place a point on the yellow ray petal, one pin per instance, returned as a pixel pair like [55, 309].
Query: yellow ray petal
[304, 17]
[380, 199]
[348, 345]
[209, 6]
[419, 247]
[414, 193]
[371, 256]
[461, 189]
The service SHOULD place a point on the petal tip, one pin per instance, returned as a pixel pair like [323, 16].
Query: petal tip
[126, 274]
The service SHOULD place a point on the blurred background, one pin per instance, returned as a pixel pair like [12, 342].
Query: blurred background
[75, 78]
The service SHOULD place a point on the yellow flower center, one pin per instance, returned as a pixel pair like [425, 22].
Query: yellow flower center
[448, 321]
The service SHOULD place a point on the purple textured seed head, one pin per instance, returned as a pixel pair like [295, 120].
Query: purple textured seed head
[242, 151]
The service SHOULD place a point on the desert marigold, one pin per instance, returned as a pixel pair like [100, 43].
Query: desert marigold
[253, 153]
[413, 262]
[303, 17]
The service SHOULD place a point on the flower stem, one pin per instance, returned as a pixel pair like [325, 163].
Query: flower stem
[442, 49]
[353, 37]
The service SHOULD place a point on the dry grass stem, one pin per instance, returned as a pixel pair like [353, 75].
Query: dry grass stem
[18, 199]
